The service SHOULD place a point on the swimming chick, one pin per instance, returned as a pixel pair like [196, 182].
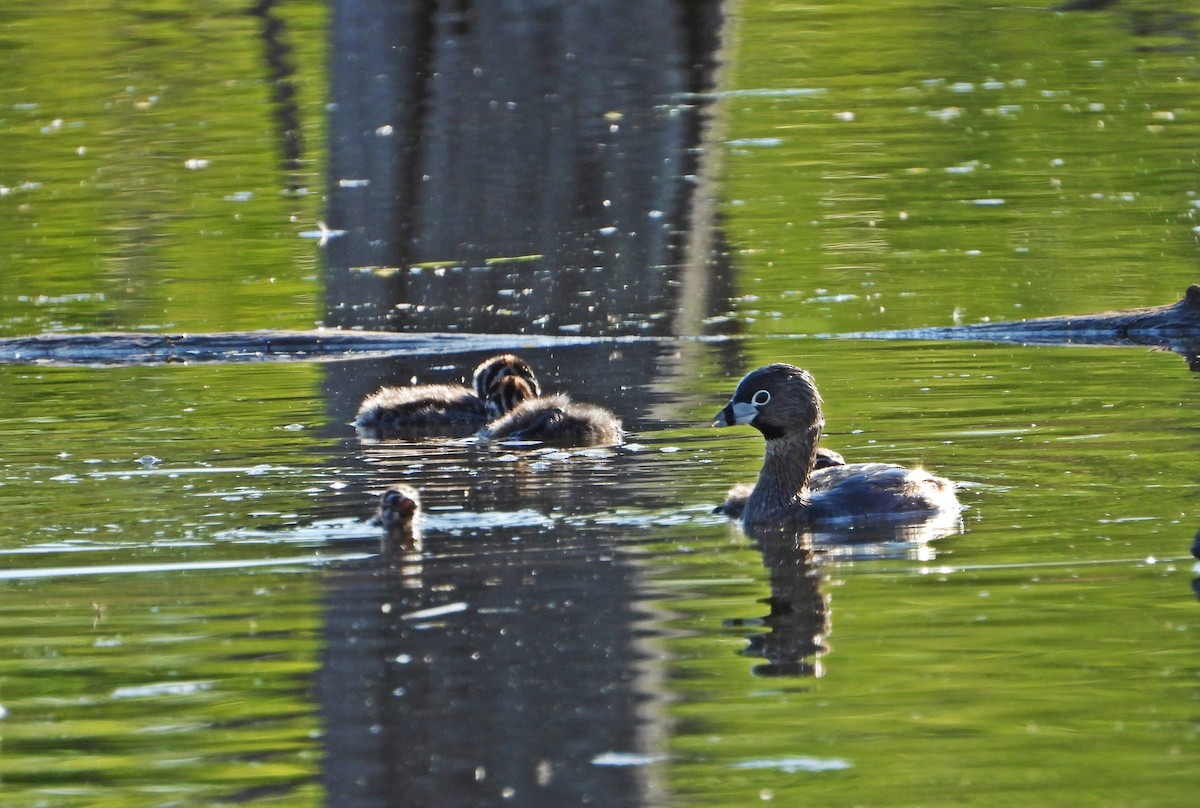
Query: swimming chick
[399, 507]
[441, 409]
[398, 514]
[781, 401]
[491, 372]
[550, 419]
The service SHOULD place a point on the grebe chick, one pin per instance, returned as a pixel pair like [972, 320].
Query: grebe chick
[827, 458]
[438, 409]
[781, 401]
[399, 513]
[507, 392]
[554, 419]
[399, 507]
[491, 372]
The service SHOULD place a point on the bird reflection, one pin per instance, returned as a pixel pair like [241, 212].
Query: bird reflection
[800, 618]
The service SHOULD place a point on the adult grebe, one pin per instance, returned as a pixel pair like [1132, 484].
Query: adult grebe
[781, 401]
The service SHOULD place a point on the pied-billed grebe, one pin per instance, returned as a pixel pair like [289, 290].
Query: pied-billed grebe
[827, 458]
[491, 372]
[399, 507]
[440, 409]
[398, 514]
[550, 419]
[781, 401]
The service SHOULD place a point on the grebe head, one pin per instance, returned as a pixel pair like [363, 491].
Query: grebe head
[778, 400]
[506, 393]
[398, 507]
[494, 370]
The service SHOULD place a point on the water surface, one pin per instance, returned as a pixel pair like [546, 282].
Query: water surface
[197, 610]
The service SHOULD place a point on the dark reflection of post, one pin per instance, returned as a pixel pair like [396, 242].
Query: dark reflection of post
[501, 681]
[509, 167]
[547, 156]
[280, 74]
[799, 617]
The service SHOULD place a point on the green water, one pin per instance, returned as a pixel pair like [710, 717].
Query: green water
[193, 612]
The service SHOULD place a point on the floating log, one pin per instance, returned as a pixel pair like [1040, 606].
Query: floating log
[124, 348]
[1175, 326]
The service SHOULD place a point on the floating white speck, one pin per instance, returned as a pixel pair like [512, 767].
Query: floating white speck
[946, 113]
[990, 202]
[626, 759]
[436, 611]
[765, 93]
[323, 234]
[791, 765]
[762, 142]
[196, 164]
[349, 183]
[161, 689]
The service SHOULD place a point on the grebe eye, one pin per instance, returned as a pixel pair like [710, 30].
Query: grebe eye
[760, 398]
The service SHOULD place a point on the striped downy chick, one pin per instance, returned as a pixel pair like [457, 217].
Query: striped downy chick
[495, 370]
[555, 419]
[428, 410]
[507, 393]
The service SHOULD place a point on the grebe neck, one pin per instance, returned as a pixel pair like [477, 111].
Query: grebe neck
[783, 481]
